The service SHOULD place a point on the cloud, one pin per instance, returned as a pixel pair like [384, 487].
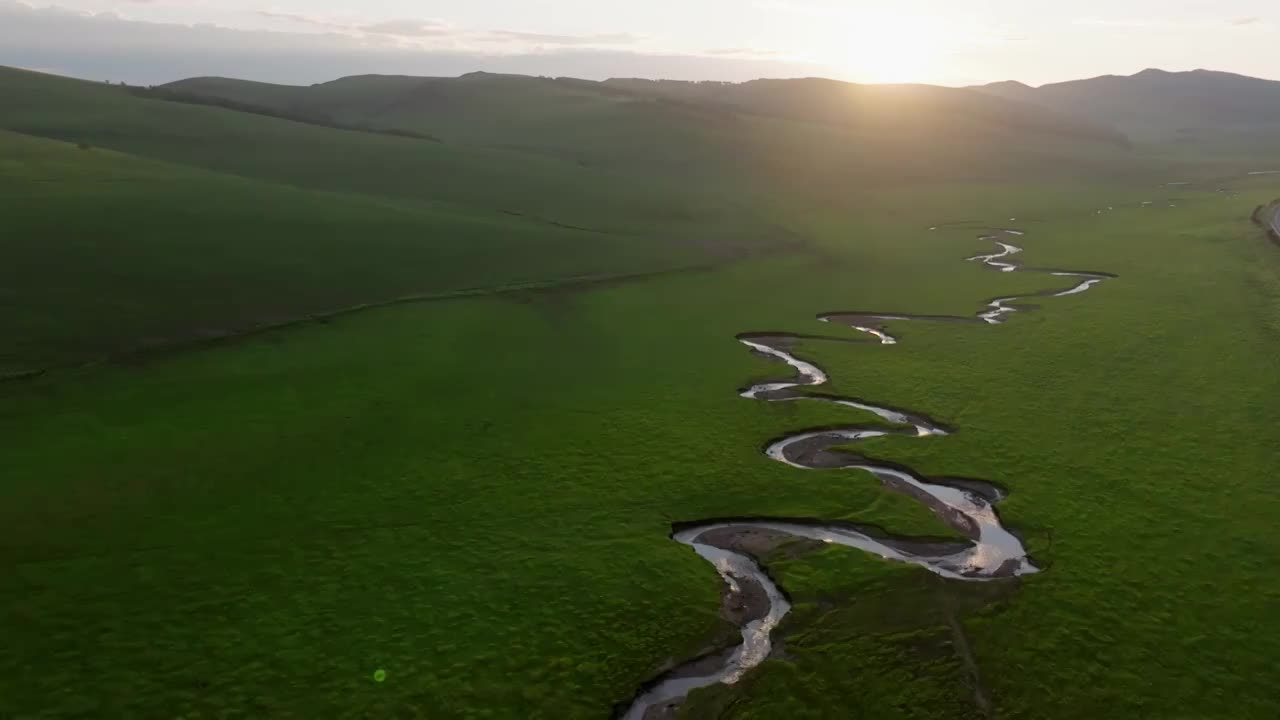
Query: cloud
[294, 17]
[438, 29]
[145, 53]
[1200, 24]
[1118, 23]
[568, 40]
[742, 52]
[400, 27]
[408, 28]
[802, 8]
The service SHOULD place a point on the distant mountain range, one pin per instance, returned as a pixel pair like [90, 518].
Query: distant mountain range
[466, 106]
[392, 185]
[821, 133]
[1150, 106]
[1158, 105]
[813, 135]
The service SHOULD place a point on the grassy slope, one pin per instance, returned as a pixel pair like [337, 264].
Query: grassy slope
[255, 529]
[106, 252]
[1186, 116]
[327, 159]
[675, 185]
[481, 104]
[470, 106]
[806, 133]
[247, 220]
[893, 110]
[1094, 412]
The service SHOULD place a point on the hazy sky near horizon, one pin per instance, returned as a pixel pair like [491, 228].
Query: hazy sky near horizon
[932, 41]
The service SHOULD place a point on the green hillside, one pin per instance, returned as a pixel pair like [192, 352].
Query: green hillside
[1159, 105]
[806, 133]
[894, 110]
[321, 158]
[476, 496]
[107, 253]
[136, 223]
[187, 220]
[304, 418]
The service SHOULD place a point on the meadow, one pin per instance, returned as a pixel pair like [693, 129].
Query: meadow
[179, 223]
[475, 495]
[109, 254]
[286, 404]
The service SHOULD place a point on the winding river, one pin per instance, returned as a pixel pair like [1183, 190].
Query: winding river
[990, 552]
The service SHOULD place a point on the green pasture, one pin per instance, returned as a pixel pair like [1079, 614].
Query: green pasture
[475, 495]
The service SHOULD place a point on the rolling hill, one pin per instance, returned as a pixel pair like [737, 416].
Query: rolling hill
[431, 185]
[1159, 105]
[890, 109]
[806, 132]
[467, 508]
[108, 254]
[134, 223]
[474, 106]
[323, 158]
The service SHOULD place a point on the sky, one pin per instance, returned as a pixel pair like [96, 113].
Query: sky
[946, 42]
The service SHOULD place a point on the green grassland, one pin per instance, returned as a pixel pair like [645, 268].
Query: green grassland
[107, 253]
[174, 222]
[1102, 413]
[1159, 106]
[810, 136]
[405, 170]
[178, 222]
[475, 495]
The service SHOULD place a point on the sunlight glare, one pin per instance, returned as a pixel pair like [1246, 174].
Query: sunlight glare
[884, 45]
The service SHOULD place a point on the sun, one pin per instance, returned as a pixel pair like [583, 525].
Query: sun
[884, 45]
